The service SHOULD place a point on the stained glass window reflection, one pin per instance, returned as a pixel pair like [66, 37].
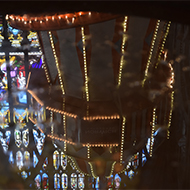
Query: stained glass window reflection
[17, 135]
[110, 182]
[11, 159]
[19, 160]
[3, 73]
[15, 36]
[4, 117]
[63, 160]
[131, 174]
[56, 181]
[20, 117]
[35, 159]
[81, 181]
[64, 181]
[117, 180]
[39, 140]
[56, 159]
[38, 181]
[27, 159]
[45, 181]
[24, 174]
[33, 38]
[1, 31]
[45, 164]
[73, 181]
[25, 137]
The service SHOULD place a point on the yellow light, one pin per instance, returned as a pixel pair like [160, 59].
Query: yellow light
[151, 51]
[122, 51]
[153, 130]
[170, 115]
[85, 65]
[56, 62]
[122, 139]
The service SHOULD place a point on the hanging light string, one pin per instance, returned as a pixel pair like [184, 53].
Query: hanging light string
[122, 50]
[151, 51]
[122, 139]
[43, 64]
[152, 131]
[163, 42]
[45, 69]
[51, 121]
[64, 127]
[56, 63]
[70, 18]
[112, 169]
[70, 159]
[88, 151]
[92, 171]
[170, 115]
[85, 64]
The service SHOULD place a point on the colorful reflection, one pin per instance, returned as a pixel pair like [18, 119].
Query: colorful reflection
[131, 174]
[33, 38]
[39, 140]
[110, 182]
[4, 117]
[11, 159]
[56, 181]
[64, 180]
[97, 183]
[117, 180]
[45, 181]
[81, 181]
[63, 160]
[56, 159]
[15, 36]
[27, 159]
[20, 98]
[35, 159]
[20, 117]
[19, 160]
[90, 182]
[45, 164]
[17, 135]
[5, 141]
[25, 137]
[24, 174]
[73, 181]
[38, 182]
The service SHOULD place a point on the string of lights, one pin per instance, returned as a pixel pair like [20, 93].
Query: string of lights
[112, 169]
[163, 42]
[151, 51]
[69, 17]
[56, 63]
[152, 131]
[122, 50]
[88, 151]
[85, 64]
[122, 139]
[92, 171]
[170, 115]
[45, 69]
[75, 166]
